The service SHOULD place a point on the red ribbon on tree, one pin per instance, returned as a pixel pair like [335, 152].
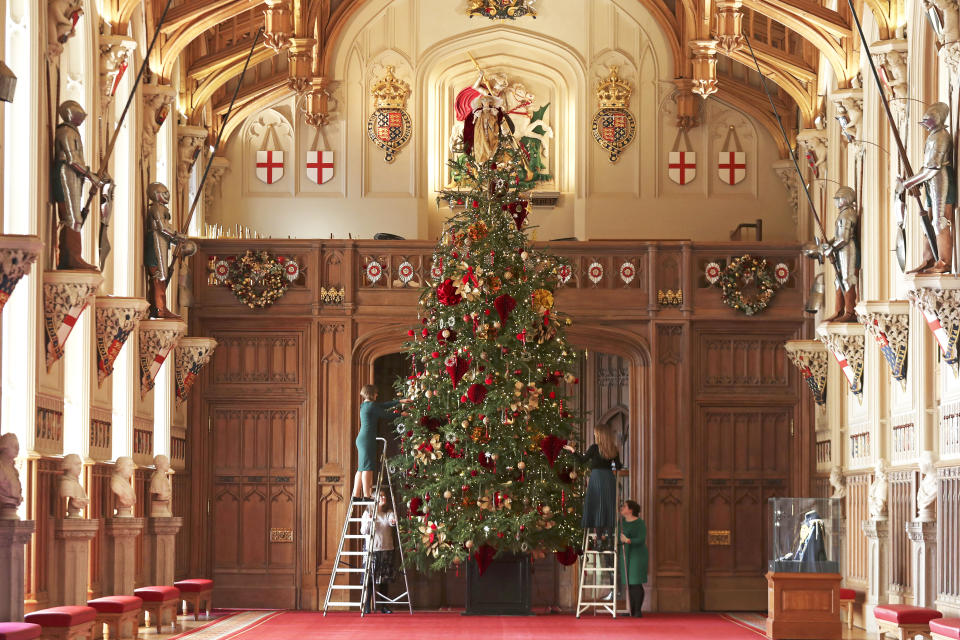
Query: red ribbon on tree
[470, 277]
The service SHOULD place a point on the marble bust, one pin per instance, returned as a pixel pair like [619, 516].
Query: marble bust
[161, 489]
[877, 498]
[121, 485]
[927, 491]
[70, 487]
[838, 484]
[11, 493]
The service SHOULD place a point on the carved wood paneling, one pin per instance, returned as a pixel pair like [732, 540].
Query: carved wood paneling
[101, 434]
[948, 535]
[97, 484]
[49, 425]
[950, 429]
[40, 495]
[264, 358]
[181, 509]
[734, 362]
[901, 509]
[858, 487]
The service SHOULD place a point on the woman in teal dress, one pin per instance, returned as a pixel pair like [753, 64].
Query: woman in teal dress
[371, 412]
[633, 554]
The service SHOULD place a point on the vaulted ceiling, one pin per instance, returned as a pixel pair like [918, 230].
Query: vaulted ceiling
[206, 43]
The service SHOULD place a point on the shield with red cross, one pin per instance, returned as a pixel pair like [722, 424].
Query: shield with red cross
[732, 166]
[682, 166]
[320, 166]
[269, 166]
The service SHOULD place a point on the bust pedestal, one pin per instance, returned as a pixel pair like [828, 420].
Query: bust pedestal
[14, 534]
[878, 549]
[923, 542]
[70, 563]
[161, 549]
[120, 555]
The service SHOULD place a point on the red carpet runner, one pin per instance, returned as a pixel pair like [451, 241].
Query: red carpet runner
[306, 625]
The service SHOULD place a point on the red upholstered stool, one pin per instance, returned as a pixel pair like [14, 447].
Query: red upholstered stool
[158, 601]
[19, 631]
[904, 621]
[847, 597]
[64, 623]
[195, 591]
[940, 629]
[119, 613]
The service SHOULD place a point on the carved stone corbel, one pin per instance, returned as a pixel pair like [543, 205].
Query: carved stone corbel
[17, 255]
[810, 357]
[948, 37]
[891, 57]
[848, 104]
[62, 18]
[190, 141]
[317, 109]
[704, 67]
[117, 318]
[889, 324]
[65, 295]
[846, 341]
[191, 355]
[156, 106]
[278, 25]
[211, 188]
[157, 338]
[114, 51]
[688, 110]
[814, 145]
[937, 297]
[729, 25]
[300, 57]
[788, 178]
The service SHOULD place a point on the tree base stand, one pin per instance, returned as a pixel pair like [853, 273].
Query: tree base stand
[503, 589]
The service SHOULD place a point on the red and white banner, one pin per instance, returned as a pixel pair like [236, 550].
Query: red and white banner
[269, 166]
[682, 166]
[732, 166]
[320, 166]
[940, 334]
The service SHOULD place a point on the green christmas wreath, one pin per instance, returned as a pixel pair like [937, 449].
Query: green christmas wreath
[749, 270]
[257, 278]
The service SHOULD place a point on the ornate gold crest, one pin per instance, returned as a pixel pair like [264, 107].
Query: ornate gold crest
[390, 92]
[502, 9]
[389, 126]
[613, 92]
[614, 127]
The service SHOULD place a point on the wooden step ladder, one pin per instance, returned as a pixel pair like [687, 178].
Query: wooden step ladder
[593, 571]
[344, 566]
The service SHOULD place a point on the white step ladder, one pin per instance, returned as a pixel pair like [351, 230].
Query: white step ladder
[346, 569]
[599, 584]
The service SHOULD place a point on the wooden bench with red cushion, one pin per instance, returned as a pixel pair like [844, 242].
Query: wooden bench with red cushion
[945, 629]
[904, 621]
[19, 631]
[64, 623]
[195, 591]
[847, 597]
[119, 613]
[158, 601]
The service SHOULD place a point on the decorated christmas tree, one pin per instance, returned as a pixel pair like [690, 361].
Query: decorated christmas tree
[481, 468]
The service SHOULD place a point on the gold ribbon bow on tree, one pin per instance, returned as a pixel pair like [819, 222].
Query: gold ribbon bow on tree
[431, 450]
[433, 535]
[469, 285]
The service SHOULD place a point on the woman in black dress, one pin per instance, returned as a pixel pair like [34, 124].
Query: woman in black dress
[600, 503]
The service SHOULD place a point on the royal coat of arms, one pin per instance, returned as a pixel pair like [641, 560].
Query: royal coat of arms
[389, 126]
[614, 127]
[502, 9]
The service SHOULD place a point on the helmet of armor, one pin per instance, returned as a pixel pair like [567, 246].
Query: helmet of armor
[158, 192]
[844, 197]
[71, 111]
[935, 116]
[188, 248]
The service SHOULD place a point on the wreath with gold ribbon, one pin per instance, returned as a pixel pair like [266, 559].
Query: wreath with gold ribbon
[257, 278]
[747, 284]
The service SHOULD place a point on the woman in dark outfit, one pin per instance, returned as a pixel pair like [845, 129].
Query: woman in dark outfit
[634, 554]
[600, 503]
[371, 412]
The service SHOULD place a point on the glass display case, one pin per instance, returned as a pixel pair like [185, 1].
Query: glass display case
[804, 535]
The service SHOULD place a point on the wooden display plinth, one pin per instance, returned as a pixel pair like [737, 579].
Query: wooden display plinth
[803, 606]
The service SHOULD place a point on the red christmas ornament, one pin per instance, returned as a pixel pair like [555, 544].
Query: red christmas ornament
[435, 354]
[477, 393]
[484, 556]
[447, 293]
[415, 504]
[456, 367]
[566, 557]
[517, 211]
[504, 305]
[551, 446]
[410, 333]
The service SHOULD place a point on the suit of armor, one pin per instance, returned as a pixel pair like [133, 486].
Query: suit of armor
[158, 236]
[940, 180]
[66, 184]
[846, 247]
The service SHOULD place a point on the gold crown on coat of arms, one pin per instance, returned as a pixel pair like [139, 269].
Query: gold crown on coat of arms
[612, 92]
[389, 91]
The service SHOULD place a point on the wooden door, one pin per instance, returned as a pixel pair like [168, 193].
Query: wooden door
[746, 458]
[254, 502]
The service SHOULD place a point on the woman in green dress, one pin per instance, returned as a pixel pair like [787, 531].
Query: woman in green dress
[371, 412]
[633, 554]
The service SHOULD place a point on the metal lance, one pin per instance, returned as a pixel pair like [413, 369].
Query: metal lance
[796, 166]
[216, 145]
[123, 114]
[927, 223]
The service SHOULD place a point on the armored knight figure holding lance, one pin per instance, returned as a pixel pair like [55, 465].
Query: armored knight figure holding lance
[158, 236]
[846, 247]
[940, 180]
[68, 175]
